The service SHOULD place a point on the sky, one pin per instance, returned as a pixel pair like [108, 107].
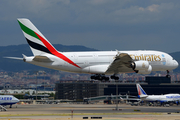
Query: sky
[99, 24]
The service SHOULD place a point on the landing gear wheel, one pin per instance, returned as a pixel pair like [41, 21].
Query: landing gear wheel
[168, 76]
[100, 77]
[114, 77]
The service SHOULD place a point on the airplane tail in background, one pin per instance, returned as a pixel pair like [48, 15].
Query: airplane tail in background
[141, 92]
[37, 42]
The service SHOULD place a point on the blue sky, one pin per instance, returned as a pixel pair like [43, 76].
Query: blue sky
[99, 24]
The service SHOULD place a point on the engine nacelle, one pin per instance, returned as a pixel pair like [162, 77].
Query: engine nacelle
[148, 71]
[140, 65]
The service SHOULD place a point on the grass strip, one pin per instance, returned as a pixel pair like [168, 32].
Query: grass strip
[76, 114]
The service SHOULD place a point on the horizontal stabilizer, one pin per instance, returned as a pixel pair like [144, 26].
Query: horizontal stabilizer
[143, 96]
[42, 59]
[17, 58]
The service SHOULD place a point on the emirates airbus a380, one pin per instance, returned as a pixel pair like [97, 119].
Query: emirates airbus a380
[99, 63]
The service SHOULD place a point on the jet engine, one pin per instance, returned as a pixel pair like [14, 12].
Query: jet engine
[141, 67]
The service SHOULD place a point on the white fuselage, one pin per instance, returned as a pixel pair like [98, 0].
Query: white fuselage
[98, 62]
[163, 98]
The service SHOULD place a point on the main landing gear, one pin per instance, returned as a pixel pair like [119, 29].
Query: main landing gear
[114, 77]
[100, 77]
[103, 77]
[168, 76]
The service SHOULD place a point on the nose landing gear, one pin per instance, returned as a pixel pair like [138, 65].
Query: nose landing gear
[168, 76]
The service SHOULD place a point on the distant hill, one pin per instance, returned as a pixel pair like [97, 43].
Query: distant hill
[18, 50]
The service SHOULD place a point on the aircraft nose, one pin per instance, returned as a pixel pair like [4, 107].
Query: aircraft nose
[17, 100]
[176, 64]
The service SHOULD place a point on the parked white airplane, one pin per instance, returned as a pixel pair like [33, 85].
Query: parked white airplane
[7, 100]
[157, 98]
[100, 63]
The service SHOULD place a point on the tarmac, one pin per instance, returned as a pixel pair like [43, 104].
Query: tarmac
[66, 111]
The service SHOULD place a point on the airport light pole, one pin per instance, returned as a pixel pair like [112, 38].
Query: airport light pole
[44, 84]
[36, 84]
[116, 94]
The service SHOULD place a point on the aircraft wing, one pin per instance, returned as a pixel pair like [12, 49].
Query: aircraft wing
[121, 63]
[131, 99]
[42, 59]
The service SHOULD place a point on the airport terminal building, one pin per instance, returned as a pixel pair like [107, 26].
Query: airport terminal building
[77, 90]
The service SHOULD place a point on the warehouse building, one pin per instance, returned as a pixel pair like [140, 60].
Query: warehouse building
[77, 90]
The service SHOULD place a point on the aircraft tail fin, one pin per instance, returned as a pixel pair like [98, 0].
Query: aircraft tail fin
[36, 40]
[39, 44]
[141, 92]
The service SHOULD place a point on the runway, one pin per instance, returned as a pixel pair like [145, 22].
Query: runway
[63, 111]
